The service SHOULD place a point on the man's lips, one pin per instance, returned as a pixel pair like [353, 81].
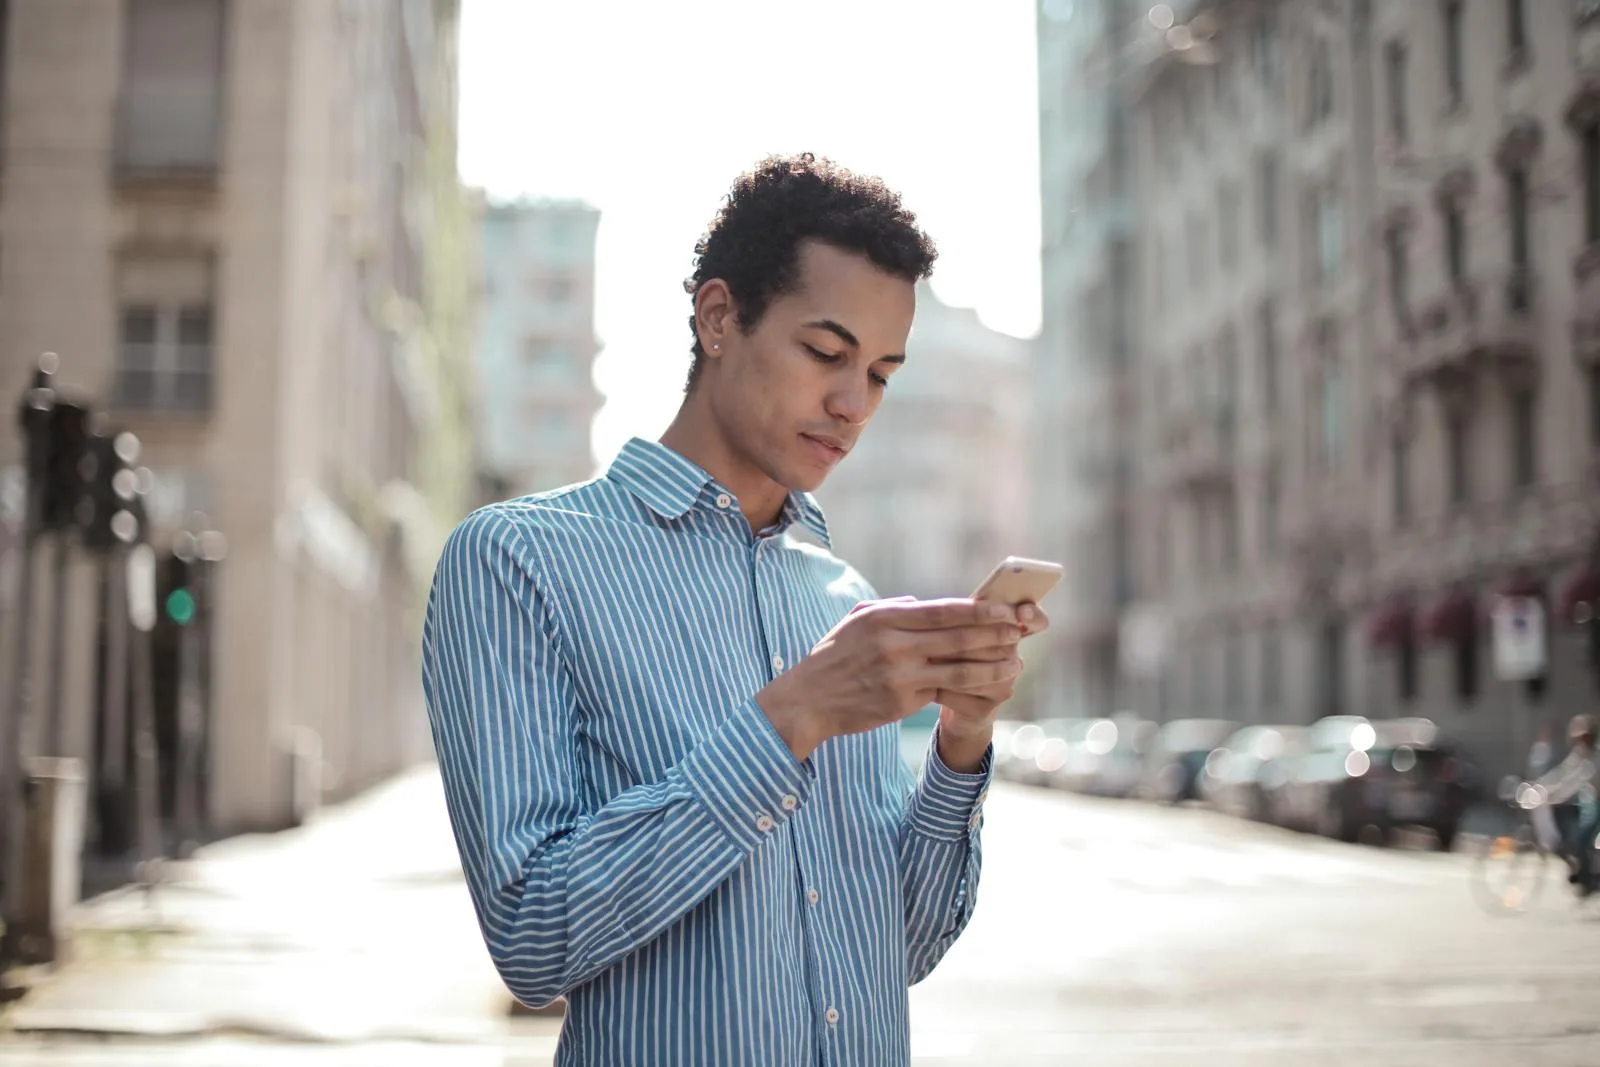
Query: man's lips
[827, 444]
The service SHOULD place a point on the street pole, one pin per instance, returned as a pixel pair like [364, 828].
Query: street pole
[142, 614]
[37, 404]
[112, 778]
[186, 800]
[59, 618]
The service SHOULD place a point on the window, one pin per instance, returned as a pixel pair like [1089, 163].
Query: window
[1466, 665]
[1524, 438]
[1267, 346]
[1516, 28]
[1329, 237]
[1228, 223]
[1399, 277]
[558, 292]
[1517, 217]
[169, 110]
[1196, 240]
[1400, 479]
[1454, 72]
[1232, 674]
[1332, 415]
[1589, 145]
[165, 336]
[1267, 196]
[1593, 374]
[1264, 49]
[1271, 672]
[1455, 242]
[1456, 443]
[1271, 505]
[1405, 668]
[1394, 62]
[1319, 88]
[1228, 533]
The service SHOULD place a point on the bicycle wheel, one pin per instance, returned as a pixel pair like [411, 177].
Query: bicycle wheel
[1508, 874]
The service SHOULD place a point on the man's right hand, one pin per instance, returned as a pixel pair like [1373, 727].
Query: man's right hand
[885, 660]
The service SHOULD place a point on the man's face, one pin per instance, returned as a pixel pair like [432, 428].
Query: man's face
[794, 394]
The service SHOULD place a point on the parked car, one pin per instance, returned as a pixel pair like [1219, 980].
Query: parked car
[1377, 774]
[1106, 757]
[1237, 776]
[1039, 749]
[1172, 773]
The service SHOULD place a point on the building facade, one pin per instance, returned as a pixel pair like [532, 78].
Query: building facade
[1085, 357]
[935, 492]
[1368, 403]
[537, 344]
[237, 222]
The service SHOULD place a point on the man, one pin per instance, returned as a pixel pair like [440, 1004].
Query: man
[1573, 782]
[667, 724]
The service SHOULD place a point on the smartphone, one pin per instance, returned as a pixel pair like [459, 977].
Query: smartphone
[1019, 581]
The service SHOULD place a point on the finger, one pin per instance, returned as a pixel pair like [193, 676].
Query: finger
[1032, 619]
[970, 706]
[943, 614]
[967, 675]
[963, 642]
[980, 655]
[866, 605]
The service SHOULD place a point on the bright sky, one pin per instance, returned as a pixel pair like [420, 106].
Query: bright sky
[648, 109]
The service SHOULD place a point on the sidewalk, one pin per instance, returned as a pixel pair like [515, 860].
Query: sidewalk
[354, 928]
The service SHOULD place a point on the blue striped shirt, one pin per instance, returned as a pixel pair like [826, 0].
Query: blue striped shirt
[634, 832]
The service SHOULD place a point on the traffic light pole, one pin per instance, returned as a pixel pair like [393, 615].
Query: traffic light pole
[142, 613]
[112, 779]
[60, 615]
[37, 405]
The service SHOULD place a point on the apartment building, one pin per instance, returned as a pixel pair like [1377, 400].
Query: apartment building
[1085, 357]
[238, 224]
[1367, 403]
[537, 343]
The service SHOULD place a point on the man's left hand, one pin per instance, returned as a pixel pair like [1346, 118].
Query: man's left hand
[966, 718]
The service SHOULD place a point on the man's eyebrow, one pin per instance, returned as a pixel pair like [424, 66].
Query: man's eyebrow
[843, 334]
[834, 328]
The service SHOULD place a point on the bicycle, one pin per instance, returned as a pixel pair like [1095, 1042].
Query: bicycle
[1509, 873]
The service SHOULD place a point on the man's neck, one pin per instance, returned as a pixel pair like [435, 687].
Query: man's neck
[695, 435]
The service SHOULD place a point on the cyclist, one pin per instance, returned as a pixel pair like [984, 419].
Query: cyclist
[1573, 780]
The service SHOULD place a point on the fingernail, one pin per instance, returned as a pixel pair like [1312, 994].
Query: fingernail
[1025, 613]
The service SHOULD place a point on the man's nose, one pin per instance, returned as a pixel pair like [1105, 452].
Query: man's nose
[849, 402]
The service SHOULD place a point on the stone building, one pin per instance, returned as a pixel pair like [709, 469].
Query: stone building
[1368, 401]
[238, 223]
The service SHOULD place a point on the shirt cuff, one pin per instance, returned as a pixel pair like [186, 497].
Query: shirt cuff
[746, 778]
[948, 805]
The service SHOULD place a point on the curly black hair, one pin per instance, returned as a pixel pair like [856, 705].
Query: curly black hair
[753, 243]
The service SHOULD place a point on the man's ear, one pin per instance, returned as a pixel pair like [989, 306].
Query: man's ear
[714, 315]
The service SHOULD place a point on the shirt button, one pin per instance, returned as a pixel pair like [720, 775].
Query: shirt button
[790, 802]
[764, 823]
[777, 663]
[812, 896]
[832, 1015]
[724, 501]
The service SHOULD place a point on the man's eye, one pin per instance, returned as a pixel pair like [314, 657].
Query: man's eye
[821, 356]
[879, 380]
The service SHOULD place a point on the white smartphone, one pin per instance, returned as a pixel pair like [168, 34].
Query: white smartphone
[1019, 581]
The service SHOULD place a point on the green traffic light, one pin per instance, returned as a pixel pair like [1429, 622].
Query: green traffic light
[180, 606]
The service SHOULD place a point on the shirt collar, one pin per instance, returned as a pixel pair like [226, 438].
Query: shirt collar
[669, 484]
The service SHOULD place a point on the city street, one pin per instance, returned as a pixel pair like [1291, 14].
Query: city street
[1108, 933]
